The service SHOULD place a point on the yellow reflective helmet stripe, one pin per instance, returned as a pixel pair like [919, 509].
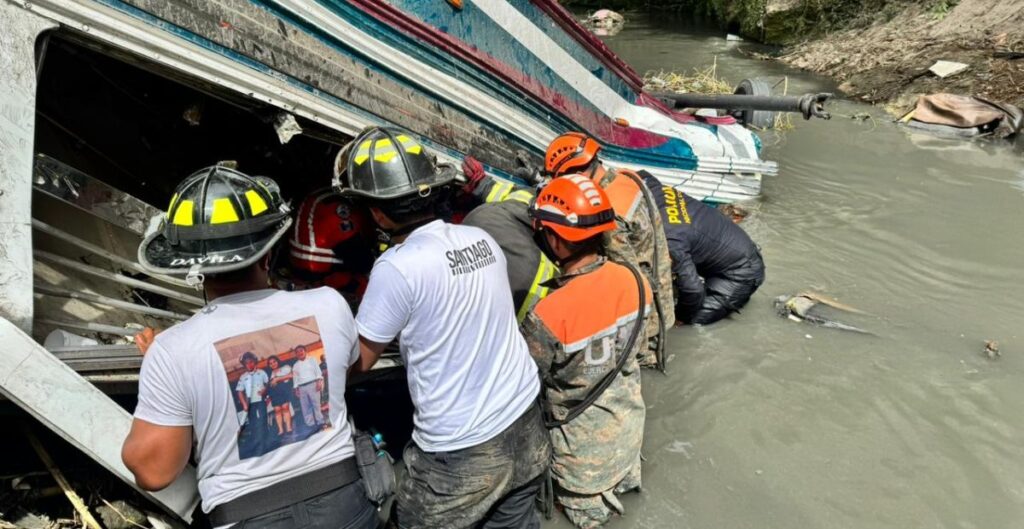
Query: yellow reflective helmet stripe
[409, 144]
[170, 207]
[363, 153]
[256, 203]
[384, 150]
[545, 271]
[223, 211]
[183, 215]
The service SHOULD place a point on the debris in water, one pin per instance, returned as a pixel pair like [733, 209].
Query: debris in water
[944, 69]
[807, 307]
[605, 22]
[733, 38]
[808, 336]
[681, 447]
[734, 211]
[759, 472]
[992, 349]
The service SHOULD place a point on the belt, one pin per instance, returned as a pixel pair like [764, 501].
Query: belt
[286, 493]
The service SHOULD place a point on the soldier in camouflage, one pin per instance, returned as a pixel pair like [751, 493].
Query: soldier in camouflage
[586, 336]
[640, 237]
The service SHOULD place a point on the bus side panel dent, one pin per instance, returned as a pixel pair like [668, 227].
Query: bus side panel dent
[19, 30]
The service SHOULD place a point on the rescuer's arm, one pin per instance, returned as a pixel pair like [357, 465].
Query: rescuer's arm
[688, 284]
[485, 188]
[539, 341]
[160, 440]
[156, 454]
[383, 313]
[369, 352]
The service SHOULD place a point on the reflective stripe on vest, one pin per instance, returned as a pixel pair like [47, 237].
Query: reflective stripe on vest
[499, 191]
[545, 271]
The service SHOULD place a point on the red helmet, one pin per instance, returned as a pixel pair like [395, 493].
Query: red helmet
[574, 207]
[570, 153]
[325, 222]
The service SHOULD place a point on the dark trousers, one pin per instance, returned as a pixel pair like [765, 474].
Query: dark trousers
[491, 485]
[257, 426]
[344, 508]
[730, 291]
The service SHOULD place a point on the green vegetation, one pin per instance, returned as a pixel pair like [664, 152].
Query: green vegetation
[782, 21]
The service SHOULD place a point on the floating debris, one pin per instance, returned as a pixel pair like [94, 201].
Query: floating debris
[992, 349]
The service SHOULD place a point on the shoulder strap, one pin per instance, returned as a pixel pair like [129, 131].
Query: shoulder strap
[609, 377]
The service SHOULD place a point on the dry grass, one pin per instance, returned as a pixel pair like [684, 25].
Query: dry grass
[707, 81]
[701, 81]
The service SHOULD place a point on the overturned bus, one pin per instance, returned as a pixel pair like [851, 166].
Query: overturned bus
[107, 104]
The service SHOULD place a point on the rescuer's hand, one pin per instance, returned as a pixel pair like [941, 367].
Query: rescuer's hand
[474, 173]
[144, 339]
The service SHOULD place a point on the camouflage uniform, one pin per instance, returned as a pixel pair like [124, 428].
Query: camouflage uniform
[576, 334]
[638, 235]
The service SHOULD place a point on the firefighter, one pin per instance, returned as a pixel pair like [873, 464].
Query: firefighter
[479, 448]
[331, 244]
[587, 336]
[506, 219]
[217, 232]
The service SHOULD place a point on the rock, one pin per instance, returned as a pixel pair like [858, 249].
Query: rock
[944, 69]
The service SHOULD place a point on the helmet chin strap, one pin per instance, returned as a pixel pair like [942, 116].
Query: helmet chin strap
[541, 239]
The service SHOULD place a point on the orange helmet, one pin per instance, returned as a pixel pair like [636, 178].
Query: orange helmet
[574, 207]
[570, 153]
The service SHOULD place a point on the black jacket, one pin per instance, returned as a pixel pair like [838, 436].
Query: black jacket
[702, 243]
[509, 224]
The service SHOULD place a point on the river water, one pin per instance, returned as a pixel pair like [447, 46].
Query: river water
[765, 423]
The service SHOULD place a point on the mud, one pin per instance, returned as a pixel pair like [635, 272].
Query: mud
[887, 62]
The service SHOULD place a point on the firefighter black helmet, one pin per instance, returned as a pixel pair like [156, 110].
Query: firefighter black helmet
[388, 165]
[218, 220]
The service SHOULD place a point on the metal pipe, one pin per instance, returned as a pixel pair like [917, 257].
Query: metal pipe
[117, 278]
[102, 252]
[111, 302]
[90, 326]
[809, 105]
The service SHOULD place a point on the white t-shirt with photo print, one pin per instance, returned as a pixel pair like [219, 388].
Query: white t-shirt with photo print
[184, 382]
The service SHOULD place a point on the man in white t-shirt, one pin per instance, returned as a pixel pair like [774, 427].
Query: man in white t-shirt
[252, 390]
[309, 382]
[479, 445]
[218, 231]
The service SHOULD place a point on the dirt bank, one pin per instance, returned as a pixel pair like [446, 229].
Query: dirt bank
[887, 61]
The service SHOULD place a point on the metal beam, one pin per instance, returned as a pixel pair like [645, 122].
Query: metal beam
[111, 302]
[104, 253]
[117, 278]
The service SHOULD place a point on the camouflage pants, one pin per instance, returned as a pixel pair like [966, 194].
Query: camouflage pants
[490, 485]
[590, 512]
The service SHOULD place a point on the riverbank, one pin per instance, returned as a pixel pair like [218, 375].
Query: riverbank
[887, 61]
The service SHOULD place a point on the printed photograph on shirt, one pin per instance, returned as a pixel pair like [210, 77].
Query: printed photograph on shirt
[278, 382]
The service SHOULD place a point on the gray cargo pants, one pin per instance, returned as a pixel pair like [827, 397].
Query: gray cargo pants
[490, 485]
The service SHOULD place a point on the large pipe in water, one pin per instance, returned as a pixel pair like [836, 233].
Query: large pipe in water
[809, 105]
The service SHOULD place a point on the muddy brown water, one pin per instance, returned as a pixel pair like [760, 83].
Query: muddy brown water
[766, 423]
